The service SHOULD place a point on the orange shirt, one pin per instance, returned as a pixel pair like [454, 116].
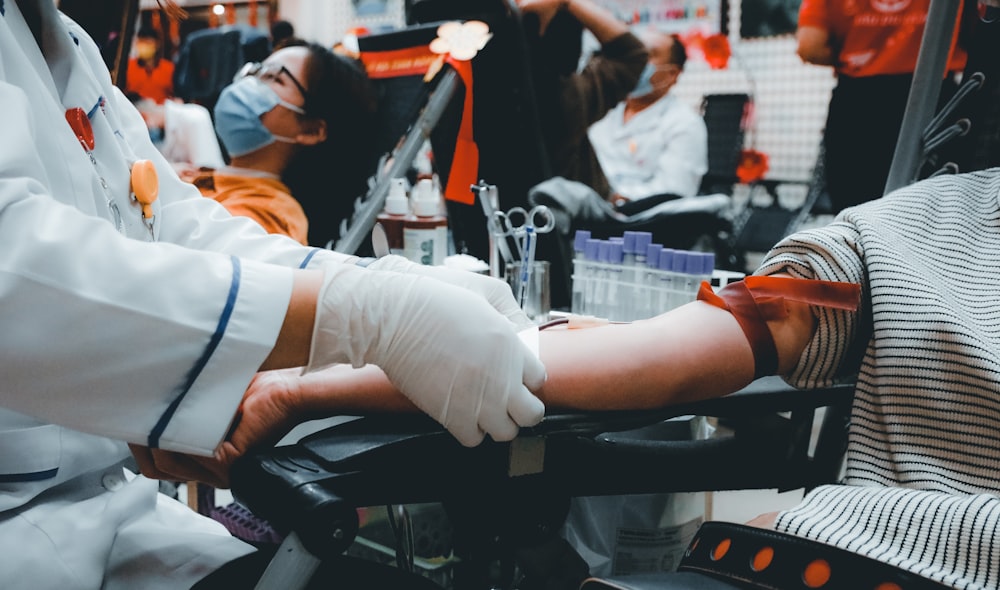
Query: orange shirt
[875, 37]
[267, 201]
[156, 84]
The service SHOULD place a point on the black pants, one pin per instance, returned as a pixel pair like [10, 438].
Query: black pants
[862, 127]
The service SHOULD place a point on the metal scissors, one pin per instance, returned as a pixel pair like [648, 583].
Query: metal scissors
[523, 225]
[518, 223]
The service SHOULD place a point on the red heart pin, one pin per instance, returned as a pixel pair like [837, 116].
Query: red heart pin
[80, 123]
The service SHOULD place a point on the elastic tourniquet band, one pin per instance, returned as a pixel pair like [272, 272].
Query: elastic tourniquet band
[755, 300]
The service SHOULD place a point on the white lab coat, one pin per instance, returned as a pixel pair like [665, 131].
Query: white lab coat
[662, 149]
[139, 334]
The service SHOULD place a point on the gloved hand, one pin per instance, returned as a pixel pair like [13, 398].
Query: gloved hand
[445, 348]
[495, 291]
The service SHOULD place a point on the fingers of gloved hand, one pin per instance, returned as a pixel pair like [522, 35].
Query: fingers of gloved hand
[494, 290]
[502, 299]
[524, 408]
[495, 421]
[477, 358]
[533, 371]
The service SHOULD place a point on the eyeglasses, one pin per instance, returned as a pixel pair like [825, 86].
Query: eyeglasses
[266, 72]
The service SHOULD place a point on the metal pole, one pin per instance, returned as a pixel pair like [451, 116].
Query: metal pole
[932, 61]
[364, 219]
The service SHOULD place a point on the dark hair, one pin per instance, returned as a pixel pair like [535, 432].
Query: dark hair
[147, 32]
[326, 178]
[558, 51]
[281, 30]
[678, 53]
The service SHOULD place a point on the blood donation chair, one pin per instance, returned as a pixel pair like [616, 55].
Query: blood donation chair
[506, 502]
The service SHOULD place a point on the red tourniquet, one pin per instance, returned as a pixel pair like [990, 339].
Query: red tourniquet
[755, 300]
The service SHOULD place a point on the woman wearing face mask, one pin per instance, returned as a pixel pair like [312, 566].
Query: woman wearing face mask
[296, 129]
[149, 75]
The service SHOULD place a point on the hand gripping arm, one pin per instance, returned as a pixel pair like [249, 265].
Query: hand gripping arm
[451, 353]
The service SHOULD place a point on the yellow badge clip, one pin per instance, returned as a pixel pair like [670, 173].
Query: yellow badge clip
[145, 186]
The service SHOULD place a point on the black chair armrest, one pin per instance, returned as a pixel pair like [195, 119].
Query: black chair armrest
[314, 487]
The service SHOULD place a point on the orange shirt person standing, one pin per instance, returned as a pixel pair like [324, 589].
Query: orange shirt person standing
[872, 46]
[149, 75]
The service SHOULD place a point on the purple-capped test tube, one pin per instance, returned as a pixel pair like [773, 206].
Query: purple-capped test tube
[580, 242]
[584, 299]
[665, 279]
[579, 269]
[614, 304]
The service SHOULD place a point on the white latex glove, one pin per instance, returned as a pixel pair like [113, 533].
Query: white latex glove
[495, 291]
[445, 348]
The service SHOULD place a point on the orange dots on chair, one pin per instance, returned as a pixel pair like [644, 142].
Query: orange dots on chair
[762, 559]
[721, 549]
[816, 574]
[888, 586]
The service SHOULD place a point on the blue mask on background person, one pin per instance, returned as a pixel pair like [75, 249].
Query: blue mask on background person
[237, 116]
[645, 84]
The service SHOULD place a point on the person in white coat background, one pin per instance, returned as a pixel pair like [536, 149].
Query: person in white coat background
[136, 311]
[652, 143]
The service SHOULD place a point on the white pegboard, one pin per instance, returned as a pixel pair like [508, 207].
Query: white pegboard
[790, 100]
[326, 21]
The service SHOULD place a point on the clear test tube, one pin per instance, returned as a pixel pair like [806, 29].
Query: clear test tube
[642, 241]
[645, 293]
[707, 267]
[665, 280]
[579, 263]
[616, 300]
[692, 270]
[591, 251]
[601, 279]
[628, 250]
[680, 279]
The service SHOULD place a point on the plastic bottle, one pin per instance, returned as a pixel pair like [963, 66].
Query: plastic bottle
[397, 207]
[425, 232]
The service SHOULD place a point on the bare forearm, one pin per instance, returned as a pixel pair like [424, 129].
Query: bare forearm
[342, 389]
[693, 352]
[815, 46]
[697, 351]
[292, 346]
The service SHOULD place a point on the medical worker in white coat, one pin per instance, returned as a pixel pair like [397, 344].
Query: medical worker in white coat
[125, 321]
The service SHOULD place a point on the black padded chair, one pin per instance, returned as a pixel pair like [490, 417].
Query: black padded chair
[506, 502]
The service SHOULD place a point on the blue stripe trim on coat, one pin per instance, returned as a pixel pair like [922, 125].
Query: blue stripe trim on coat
[26, 477]
[309, 257]
[220, 329]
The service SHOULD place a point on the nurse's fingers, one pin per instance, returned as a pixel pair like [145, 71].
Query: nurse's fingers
[160, 464]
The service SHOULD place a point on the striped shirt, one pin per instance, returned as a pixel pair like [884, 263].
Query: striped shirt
[923, 462]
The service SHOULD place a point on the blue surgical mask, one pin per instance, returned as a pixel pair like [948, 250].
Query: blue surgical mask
[645, 84]
[238, 112]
